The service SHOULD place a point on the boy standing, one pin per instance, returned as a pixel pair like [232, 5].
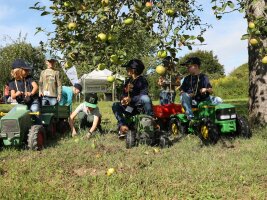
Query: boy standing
[50, 84]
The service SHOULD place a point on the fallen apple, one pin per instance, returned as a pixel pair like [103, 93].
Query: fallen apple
[102, 37]
[110, 171]
[160, 70]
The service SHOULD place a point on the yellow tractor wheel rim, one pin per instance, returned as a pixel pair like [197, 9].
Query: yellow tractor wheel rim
[175, 129]
[205, 132]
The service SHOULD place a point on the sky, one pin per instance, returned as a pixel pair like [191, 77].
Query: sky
[223, 39]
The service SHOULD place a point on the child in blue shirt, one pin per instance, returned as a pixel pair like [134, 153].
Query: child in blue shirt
[67, 94]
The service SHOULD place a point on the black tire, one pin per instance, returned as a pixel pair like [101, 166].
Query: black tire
[51, 129]
[177, 129]
[36, 137]
[209, 133]
[242, 127]
[130, 139]
[164, 141]
[63, 127]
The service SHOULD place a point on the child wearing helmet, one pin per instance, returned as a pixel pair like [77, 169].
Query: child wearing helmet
[135, 92]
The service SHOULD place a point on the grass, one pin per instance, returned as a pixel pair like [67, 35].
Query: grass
[74, 168]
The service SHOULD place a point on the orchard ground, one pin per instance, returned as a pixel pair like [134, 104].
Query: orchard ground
[74, 168]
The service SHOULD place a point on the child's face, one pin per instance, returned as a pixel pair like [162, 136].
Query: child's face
[76, 91]
[192, 69]
[130, 71]
[49, 64]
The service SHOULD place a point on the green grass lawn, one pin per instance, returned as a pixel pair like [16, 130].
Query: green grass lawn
[73, 168]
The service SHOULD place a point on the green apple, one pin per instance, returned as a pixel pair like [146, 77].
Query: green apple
[170, 12]
[110, 171]
[102, 37]
[253, 41]
[101, 66]
[111, 79]
[162, 54]
[264, 60]
[128, 21]
[114, 58]
[72, 26]
[251, 25]
[160, 70]
[66, 4]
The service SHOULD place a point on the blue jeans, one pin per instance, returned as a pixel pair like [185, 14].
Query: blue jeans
[120, 112]
[187, 103]
[46, 101]
[166, 97]
[35, 105]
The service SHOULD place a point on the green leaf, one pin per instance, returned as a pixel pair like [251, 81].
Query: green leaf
[45, 13]
[245, 37]
[231, 4]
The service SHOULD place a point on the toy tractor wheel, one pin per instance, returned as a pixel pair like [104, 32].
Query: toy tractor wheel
[242, 127]
[36, 137]
[164, 141]
[52, 129]
[130, 139]
[63, 127]
[177, 129]
[209, 133]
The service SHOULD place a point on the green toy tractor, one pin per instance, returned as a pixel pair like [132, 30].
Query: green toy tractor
[210, 122]
[143, 129]
[18, 128]
[21, 127]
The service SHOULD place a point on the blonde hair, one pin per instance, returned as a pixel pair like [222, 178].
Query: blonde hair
[18, 74]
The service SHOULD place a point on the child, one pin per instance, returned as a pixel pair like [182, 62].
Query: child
[50, 84]
[135, 92]
[67, 94]
[88, 114]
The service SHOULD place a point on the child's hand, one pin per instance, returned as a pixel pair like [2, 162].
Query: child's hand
[203, 90]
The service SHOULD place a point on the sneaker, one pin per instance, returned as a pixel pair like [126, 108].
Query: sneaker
[121, 135]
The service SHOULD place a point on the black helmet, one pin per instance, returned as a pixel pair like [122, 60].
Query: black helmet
[135, 64]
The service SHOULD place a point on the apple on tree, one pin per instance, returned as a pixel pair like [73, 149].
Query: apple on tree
[149, 4]
[104, 3]
[114, 58]
[264, 60]
[160, 70]
[128, 21]
[251, 25]
[170, 12]
[101, 66]
[72, 26]
[111, 79]
[162, 54]
[66, 4]
[102, 37]
[253, 41]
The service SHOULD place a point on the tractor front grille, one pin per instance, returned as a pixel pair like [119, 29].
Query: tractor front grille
[9, 126]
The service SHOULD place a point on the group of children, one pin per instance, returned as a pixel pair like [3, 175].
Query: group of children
[195, 88]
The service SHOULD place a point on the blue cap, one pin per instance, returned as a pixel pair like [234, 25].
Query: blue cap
[19, 63]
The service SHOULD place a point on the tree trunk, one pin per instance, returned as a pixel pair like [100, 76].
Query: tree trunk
[257, 73]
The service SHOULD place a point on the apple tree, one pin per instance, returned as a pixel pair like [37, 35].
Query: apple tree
[256, 15]
[103, 33]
